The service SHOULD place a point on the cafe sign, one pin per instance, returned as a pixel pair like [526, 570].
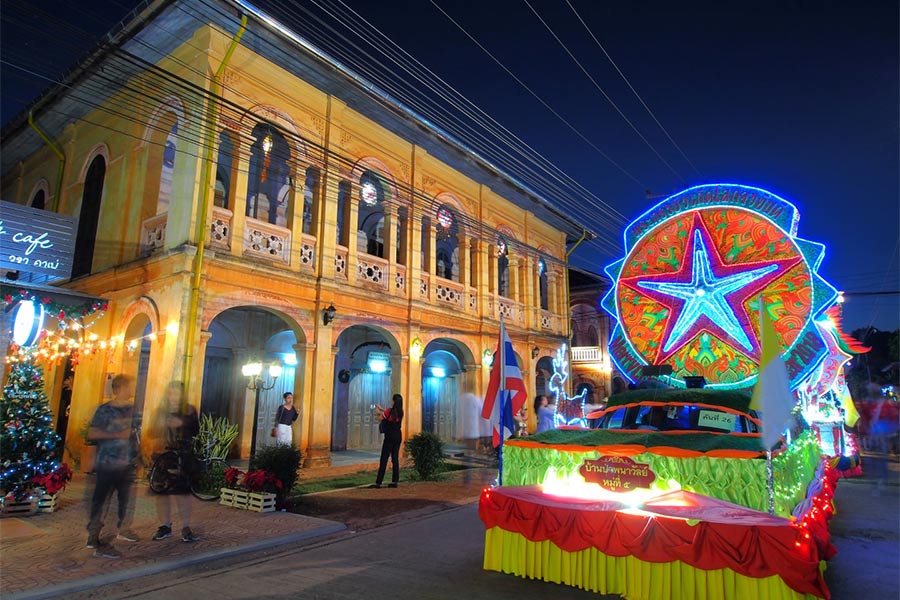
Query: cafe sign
[617, 473]
[36, 241]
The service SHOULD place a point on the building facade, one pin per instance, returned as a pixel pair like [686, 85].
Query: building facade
[343, 239]
[591, 369]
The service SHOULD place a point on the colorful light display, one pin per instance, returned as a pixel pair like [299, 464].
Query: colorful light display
[687, 291]
[569, 409]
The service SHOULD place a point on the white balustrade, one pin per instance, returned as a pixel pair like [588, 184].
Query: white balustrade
[264, 240]
[372, 269]
[586, 354]
[220, 228]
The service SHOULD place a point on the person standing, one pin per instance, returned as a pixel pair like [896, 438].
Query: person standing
[545, 413]
[181, 425]
[284, 419]
[116, 436]
[391, 420]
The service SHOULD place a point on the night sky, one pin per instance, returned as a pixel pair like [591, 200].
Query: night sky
[799, 98]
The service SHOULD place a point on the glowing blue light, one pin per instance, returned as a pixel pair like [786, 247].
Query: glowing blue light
[290, 359]
[438, 372]
[378, 365]
[705, 296]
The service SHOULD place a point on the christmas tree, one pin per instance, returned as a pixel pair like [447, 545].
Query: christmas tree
[28, 446]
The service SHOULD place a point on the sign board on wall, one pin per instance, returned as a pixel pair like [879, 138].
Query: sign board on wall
[36, 241]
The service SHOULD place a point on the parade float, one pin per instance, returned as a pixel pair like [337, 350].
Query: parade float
[675, 495]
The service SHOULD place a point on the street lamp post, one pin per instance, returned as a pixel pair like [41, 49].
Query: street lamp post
[253, 371]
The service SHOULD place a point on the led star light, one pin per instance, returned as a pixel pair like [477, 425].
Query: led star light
[687, 291]
[705, 296]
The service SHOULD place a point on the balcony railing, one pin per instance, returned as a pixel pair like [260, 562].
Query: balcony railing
[340, 262]
[372, 269]
[264, 240]
[220, 228]
[153, 234]
[473, 300]
[448, 292]
[308, 252]
[424, 284]
[586, 354]
[400, 279]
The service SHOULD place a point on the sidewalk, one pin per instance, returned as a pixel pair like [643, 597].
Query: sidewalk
[44, 555]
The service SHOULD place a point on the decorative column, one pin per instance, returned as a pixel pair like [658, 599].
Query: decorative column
[326, 223]
[303, 393]
[295, 206]
[531, 308]
[239, 210]
[411, 370]
[464, 244]
[352, 229]
[414, 256]
[321, 398]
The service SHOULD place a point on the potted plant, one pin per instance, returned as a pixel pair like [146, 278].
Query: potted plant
[251, 490]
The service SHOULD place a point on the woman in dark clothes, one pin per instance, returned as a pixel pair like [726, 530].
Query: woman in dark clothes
[393, 437]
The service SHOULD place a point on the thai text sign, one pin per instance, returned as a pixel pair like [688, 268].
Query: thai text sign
[716, 420]
[36, 241]
[617, 473]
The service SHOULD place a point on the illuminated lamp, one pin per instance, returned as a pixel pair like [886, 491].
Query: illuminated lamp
[253, 369]
[28, 321]
[438, 372]
[368, 193]
[416, 349]
[290, 359]
[487, 358]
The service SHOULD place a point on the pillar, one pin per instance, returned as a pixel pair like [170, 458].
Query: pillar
[239, 208]
[321, 400]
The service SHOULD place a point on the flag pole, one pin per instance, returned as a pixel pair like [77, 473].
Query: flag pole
[502, 393]
[770, 476]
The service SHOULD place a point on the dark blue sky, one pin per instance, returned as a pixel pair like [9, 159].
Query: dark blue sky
[800, 98]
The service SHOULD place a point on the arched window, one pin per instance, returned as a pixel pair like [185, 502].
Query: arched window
[370, 225]
[502, 268]
[447, 243]
[542, 283]
[88, 217]
[593, 338]
[224, 166]
[343, 209]
[269, 184]
[167, 170]
[402, 220]
[39, 200]
[310, 189]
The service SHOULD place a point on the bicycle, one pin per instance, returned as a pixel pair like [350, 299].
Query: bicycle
[181, 469]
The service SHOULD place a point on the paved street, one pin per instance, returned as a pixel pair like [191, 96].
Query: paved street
[439, 556]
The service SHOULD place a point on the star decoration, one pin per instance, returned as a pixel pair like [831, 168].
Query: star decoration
[707, 294]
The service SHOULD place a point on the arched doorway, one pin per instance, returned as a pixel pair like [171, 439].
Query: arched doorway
[239, 336]
[138, 341]
[366, 372]
[542, 375]
[446, 378]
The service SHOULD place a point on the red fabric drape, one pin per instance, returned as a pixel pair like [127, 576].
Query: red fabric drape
[728, 536]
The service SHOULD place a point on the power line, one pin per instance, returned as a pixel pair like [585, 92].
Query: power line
[634, 91]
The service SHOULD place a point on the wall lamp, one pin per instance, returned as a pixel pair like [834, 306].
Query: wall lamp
[328, 314]
[535, 351]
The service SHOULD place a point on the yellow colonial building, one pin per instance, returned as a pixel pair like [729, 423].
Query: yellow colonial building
[345, 239]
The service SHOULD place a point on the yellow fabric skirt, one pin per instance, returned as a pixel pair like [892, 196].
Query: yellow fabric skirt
[627, 576]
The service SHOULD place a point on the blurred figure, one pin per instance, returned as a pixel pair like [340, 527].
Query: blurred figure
[113, 430]
[545, 413]
[180, 423]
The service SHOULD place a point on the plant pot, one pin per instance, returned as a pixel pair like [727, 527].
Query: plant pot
[48, 503]
[255, 501]
[13, 508]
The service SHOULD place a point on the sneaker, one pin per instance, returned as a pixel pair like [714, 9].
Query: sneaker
[187, 535]
[128, 536]
[393, 485]
[375, 486]
[107, 551]
[162, 533]
[92, 542]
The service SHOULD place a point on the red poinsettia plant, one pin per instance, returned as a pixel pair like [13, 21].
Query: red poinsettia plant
[255, 480]
[55, 480]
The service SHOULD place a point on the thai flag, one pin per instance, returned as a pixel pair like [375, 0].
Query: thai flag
[506, 393]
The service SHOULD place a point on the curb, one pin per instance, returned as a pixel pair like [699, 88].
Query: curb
[95, 581]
